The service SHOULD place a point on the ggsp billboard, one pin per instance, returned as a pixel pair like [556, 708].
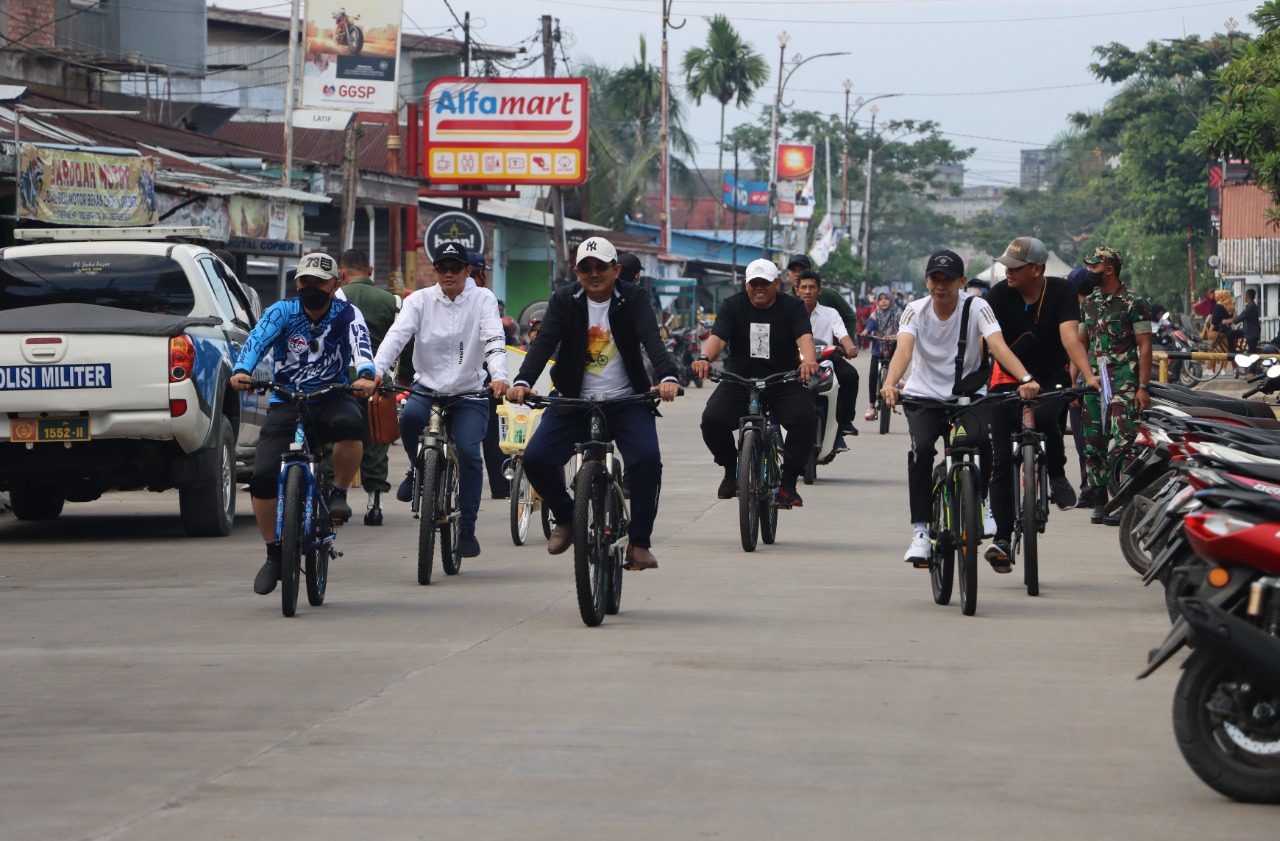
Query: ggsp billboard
[506, 131]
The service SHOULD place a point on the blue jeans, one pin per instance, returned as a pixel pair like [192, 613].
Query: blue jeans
[636, 435]
[468, 420]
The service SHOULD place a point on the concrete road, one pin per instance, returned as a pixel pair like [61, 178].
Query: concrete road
[809, 690]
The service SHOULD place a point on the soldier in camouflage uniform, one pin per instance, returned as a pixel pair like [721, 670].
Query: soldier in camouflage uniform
[1116, 327]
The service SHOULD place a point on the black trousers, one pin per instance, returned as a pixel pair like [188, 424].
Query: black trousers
[1003, 422]
[791, 405]
[847, 404]
[926, 425]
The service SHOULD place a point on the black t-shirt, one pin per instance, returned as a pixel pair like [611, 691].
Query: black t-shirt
[1033, 330]
[761, 341]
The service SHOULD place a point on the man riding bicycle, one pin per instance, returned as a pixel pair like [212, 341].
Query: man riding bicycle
[1039, 317]
[456, 332]
[828, 329]
[314, 340]
[763, 332]
[930, 330]
[600, 331]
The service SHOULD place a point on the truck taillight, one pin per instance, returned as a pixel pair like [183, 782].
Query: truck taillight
[182, 358]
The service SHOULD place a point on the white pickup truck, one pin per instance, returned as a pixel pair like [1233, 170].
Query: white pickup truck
[114, 359]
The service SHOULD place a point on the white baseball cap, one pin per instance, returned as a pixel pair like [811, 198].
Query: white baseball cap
[318, 265]
[597, 247]
[762, 268]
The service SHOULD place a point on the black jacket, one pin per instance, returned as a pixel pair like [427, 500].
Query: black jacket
[564, 334]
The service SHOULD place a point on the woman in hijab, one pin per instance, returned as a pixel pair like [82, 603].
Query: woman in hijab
[1219, 326]
[882, 327]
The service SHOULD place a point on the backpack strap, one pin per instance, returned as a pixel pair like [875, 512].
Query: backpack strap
[964, 340]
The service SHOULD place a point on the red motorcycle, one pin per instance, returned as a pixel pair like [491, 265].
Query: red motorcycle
[346, 33]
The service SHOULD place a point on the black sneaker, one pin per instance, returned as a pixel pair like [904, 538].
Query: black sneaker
[1061, 492]
[1086, 498]
[265, 582]
[788, 498]
[999, 556]
[728, 488]
[404, 493]
[468, 546]
[339, 509]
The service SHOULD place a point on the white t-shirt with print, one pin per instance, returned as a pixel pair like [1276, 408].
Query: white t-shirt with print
[933, 361]
[828, 326]
[606, 375]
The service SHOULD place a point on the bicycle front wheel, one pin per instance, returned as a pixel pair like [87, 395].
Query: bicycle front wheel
[970, 522]
[592, 560]
[617, 558]
[451, 528]
[942, 564]
[292, 539]
[882, 408]
[428, 495]
[768, 499]
[318, 551]
[521, 505]
[749, 490]
[1030, 522]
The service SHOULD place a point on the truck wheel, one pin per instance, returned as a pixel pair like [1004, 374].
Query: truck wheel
[35, 503]
[209, 506]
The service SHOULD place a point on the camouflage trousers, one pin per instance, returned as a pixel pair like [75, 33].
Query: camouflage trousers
[1124, 423]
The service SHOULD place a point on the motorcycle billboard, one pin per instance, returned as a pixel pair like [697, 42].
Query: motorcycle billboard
[350, 60]
[506, 131]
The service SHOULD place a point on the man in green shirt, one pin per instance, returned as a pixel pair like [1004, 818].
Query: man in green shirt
[379, 308]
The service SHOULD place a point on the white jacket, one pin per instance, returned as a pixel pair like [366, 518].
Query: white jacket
[452, 340]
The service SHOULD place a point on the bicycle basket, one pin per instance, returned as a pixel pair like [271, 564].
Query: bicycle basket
[516, 425]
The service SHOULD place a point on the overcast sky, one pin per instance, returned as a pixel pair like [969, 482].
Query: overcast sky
[998, 76]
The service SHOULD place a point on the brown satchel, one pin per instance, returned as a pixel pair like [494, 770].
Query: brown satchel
[384, 423]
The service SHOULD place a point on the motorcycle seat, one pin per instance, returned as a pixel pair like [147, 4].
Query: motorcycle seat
[1182, 396]
[1214, 414]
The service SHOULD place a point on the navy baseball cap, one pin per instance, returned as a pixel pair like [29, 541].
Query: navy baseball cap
[946, 262]
[475, 259]
[1082, 279]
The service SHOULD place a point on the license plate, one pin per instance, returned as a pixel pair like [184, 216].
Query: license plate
[42, 430]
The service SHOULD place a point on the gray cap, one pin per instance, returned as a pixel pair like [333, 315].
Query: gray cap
[1022, 251]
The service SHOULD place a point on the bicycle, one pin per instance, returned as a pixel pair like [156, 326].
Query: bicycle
[1031, 492]
[516, 425]
[955, 527]
[303, 524]
[759, 460]
[435, 483]
[883, 411]
[600, 514]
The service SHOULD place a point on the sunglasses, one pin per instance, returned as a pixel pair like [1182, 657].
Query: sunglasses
[317, 330]
[759, 281]
[450, 267]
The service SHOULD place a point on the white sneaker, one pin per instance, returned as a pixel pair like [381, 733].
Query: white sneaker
[918, 551]
[988, 521]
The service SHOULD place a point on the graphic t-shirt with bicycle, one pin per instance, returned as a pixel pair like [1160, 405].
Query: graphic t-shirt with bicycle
[605, 376]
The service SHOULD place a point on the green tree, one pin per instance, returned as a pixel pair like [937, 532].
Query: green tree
[726, 68]
[1244, 121]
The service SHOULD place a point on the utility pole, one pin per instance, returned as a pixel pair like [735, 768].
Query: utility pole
[783, 38]
[350, 183]
[664, 134]
[866, 205]
[466, 44]
[287, 171]
[557, 203]
[844, 162]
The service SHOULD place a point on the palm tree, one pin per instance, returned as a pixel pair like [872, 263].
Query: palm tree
[726, 68]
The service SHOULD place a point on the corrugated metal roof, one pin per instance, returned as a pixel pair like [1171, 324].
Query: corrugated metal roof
[1244, 208]
[311, 144]
[1249, 256]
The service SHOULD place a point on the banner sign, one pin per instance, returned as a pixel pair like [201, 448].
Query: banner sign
[745, 196]
[506, 131]
[86, 189]
[795, 169]
[260, 226]
[795, 161]
[351, 52]
[454, 226]
[212, 212]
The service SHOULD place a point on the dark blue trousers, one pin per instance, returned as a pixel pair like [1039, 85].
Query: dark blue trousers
[636, 434]
[468, 420]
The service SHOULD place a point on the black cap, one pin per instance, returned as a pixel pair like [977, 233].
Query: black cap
[946, 262]
[451, 251]
[979, 284]
[800, 261]
[630, 264]
[475, 259]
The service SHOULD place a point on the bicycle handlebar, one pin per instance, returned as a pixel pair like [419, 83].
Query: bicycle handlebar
[423, 391]
[773, 379]
[653, 397]
[295, 396]
[990, 400]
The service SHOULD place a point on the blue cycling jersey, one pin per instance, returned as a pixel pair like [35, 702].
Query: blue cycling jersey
[309, 355]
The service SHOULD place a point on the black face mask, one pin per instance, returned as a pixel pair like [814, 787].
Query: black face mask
[313, 297]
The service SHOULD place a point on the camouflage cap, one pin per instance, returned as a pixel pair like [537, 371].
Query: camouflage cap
[1101, 253]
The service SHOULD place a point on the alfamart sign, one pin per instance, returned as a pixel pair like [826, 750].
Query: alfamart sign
[506, 131]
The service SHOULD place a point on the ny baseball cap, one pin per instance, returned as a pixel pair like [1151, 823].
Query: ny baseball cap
[1101, 253]
[946, 262]
[1022, 251]
[800, 261]
[475, 259]
[599, 248]
[317, 265]
[762, 268]
[450, 251]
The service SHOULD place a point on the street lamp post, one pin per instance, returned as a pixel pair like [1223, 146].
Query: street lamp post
[866, 203]
[797, 62]
[844, 162]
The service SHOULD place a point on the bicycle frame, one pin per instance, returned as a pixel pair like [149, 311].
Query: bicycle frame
[434, 437]
[599, 448]
[300, 453]
[1028, 435]
[756, 418]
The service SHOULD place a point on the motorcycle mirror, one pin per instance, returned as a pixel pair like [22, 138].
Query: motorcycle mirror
[1273, 372]
[1246, 360]
[1268, 362]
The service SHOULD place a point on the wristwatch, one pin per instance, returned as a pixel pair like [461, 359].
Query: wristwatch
[1028, 378]
[1144, 386]
[702, 357]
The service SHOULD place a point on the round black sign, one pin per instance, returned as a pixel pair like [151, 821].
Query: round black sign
[453, 226]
